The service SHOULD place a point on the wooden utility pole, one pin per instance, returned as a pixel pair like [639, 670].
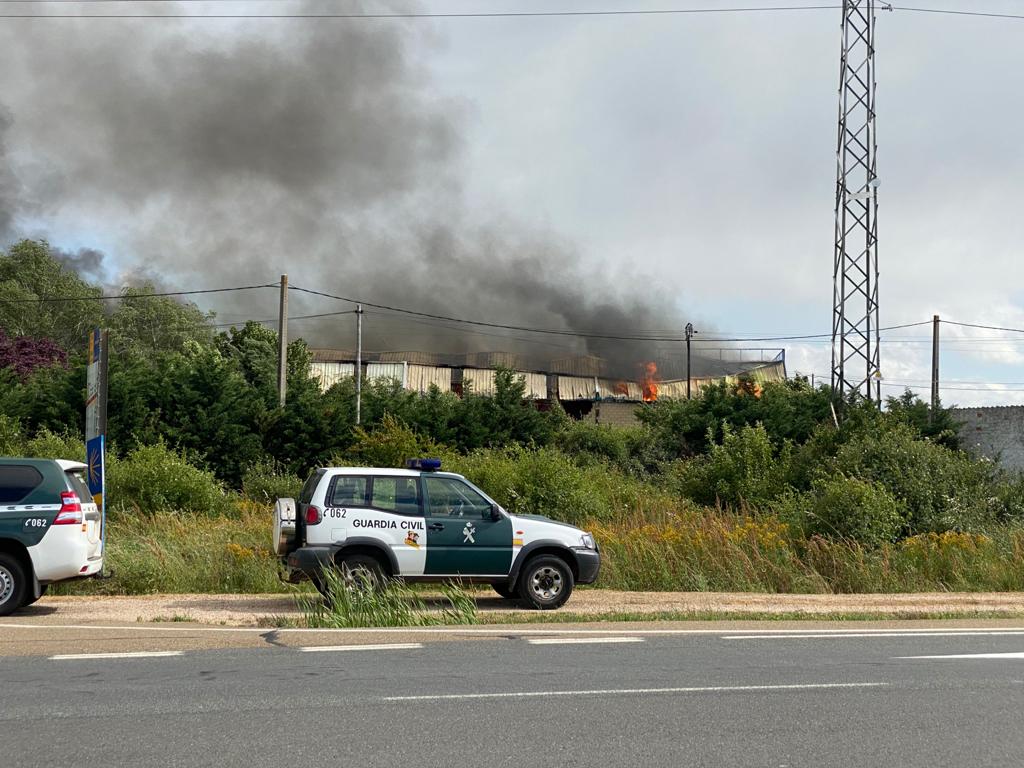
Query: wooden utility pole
[282, 344]
[359, 362]
[935, 365]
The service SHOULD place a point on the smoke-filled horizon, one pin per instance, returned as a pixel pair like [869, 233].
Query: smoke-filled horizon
[220, 155]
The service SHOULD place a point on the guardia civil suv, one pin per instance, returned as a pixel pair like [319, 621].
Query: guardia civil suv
[421, 524]
[49, 528]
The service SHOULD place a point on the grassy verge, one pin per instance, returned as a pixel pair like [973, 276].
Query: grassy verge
[692, 550]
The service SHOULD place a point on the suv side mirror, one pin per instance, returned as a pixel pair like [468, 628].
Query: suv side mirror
[494, 513]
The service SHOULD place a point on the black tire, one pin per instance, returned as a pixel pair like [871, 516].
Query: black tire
[506, 590]
[364, 570]
[545, 582]
[30, 598]
[13, 584]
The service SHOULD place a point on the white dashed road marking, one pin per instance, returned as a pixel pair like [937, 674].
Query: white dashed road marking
[860, 635]
[131, 655]
[634, 691]
[377, 647]
[581, 640]
[1019, 655]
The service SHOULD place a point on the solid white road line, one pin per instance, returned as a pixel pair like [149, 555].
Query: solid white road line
[634, 691]
[581, 640]
[900, 633]
[1019, 655]
[513, 630]
[130, 655]
[378, 647]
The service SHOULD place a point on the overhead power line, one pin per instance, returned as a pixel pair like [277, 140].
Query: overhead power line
[984, 327]
[948, 12]
[572, 334]
[275, 320]
[49, 299]
[458, 15]
[418, 15]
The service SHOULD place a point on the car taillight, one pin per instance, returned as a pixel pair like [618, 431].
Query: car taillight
[312, 515]
[70, 509]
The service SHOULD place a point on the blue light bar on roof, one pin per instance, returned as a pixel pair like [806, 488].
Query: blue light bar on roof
[427, 465]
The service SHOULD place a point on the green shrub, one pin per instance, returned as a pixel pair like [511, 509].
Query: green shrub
[390, 444]
[11, 438]
[852, 508]
[51, 445]
[941, 489]
[544, 481]
[154, 477]
[635, 450]
[44, 445]
[268, 481]
[744, 468]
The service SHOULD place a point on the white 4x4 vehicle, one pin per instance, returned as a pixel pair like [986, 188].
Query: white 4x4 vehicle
[420, 524]
[49, 528]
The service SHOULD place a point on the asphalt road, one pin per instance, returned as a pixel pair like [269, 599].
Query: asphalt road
[527, 697]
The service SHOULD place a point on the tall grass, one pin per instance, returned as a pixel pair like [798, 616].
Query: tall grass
[716, 550]
[681, 548]
[390, 604]
[187, 552]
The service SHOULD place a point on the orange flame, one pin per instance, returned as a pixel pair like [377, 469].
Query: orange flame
[649, 383]
[621, 388]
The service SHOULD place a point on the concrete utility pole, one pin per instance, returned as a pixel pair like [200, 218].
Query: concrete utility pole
[359, 362]
[282, 344]
[935, 366]
[689, 335]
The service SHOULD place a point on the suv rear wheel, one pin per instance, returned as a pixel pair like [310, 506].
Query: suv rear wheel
[546, 582]
[362, 572]
[13, 584]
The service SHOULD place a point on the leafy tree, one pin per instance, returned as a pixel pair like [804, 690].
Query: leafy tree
[144, 323]
[29, 272]
[25, 354]
[50, 398]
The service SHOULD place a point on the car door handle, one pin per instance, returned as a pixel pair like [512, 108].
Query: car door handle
[436, 526]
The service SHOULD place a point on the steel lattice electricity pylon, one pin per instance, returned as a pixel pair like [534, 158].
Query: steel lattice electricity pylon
[855, 358]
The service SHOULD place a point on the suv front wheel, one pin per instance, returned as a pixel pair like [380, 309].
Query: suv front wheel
[546, 582]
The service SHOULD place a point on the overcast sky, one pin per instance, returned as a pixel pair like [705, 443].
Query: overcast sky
[689, 156]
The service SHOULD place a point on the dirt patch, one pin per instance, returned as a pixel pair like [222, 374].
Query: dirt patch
[254, 610]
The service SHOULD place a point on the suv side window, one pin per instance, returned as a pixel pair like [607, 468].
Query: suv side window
[397, 494]
[449, 497]
[306, 495]
[17, 482]
[348, 491]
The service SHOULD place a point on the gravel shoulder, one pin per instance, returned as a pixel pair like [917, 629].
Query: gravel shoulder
[592, 604]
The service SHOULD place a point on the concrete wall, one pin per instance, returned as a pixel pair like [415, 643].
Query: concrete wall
[614, 414]
[996, 432]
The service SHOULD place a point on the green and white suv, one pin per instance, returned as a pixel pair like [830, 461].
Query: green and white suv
[420, 524]
[49, 528]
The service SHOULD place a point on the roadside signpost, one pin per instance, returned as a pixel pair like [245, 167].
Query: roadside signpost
[96, 423]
